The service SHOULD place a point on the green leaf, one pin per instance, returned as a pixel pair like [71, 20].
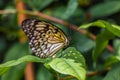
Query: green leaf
[56, 12]
[69, 67]
[101, 43]
[17, 73]
[3, 70]
[2, 44]
[38, 4]
[44, 3]
[29, 58]
[71, 7]
[81, 42]
[42, 72]
[115, 29]
[17, 48]
[72, 53]
[98, 23]
[114, 73]
[112, 60]
[105, 9]
[102, 39]
[117, 47]
[116, 58]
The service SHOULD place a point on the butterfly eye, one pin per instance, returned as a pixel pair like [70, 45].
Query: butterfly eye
[45, 39]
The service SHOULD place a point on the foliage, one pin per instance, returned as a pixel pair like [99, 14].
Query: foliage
[62, 65]
[81, 58]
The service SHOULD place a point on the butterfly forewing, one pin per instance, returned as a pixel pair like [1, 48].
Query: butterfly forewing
[45, 39]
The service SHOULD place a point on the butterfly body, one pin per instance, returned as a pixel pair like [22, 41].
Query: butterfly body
[45, 39]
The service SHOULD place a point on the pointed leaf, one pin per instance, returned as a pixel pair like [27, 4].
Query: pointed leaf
[115, 29]
[69, 67]
[105, 9]
[117, 47]
[29, 58]
[72, 53]
[98, 23]
[81, 42]
[112, 60]
[42, 72]
[114, 73]
[17, 73]
[101, 43]
[17, 48]
[72, 6]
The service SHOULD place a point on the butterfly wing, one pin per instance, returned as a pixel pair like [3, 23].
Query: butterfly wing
[45, 39]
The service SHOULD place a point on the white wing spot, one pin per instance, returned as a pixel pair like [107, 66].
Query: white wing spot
[33, 49]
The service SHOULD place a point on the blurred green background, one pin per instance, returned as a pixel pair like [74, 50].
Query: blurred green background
[76, 12]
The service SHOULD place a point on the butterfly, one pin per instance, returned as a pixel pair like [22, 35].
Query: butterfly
[45, 39]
